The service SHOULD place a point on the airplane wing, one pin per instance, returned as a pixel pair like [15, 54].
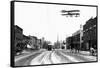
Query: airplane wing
[74, 11]
[71, 14]
[63, 11]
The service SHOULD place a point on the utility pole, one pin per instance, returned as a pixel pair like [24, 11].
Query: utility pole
[81, 35]
[58, 44]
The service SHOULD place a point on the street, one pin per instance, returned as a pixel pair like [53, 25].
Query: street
[52, 57]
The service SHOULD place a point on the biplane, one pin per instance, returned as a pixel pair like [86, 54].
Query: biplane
[71, 13]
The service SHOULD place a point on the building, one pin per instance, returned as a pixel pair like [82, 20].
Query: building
[39, 43]
[26, 40]
[42, 42]
[76, 40]
[76, 37]
[18, 34]
[68, 42]
[62, 44]
[18, 39]
[33, 42]
[90, 34]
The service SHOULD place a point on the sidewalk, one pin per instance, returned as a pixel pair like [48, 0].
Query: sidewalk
[28, 53]
[23, 54]
[80, 52]
[85, 52]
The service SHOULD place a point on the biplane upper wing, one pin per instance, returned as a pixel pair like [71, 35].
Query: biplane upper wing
[63, 11]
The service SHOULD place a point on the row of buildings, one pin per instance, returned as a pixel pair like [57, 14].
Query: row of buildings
[31, 41]
[85, 37]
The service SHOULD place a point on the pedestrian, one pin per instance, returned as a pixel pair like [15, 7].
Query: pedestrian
[92, 51]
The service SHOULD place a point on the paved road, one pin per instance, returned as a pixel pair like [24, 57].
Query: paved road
[52, 57]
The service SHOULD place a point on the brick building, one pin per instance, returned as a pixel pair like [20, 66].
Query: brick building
[26, 40]
[18, 34]
[76, 37]
[90, 34]
[68, 42]
[33, 42]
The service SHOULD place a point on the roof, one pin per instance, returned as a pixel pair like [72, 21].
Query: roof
[16, 26]
[77, 32]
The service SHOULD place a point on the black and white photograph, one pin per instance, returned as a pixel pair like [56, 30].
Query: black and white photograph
[53, 33]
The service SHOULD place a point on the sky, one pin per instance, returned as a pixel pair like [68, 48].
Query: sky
[45, 20]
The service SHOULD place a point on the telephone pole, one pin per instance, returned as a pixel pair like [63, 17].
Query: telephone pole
[81, 35]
